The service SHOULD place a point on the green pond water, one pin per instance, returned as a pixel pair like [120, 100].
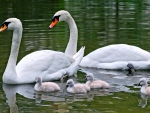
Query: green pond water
[100, 23]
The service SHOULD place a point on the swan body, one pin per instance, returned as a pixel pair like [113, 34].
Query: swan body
[145, 89]
[48, 64]
[45, 86]
[76, 88]
[94, 84]
[63, 15]
[117, 56]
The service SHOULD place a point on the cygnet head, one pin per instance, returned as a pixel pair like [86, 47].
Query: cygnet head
[90, 77]
[143, 81]
[59, 16]
[70, 83]
[11, 24]
[131, 68]
[38, 80]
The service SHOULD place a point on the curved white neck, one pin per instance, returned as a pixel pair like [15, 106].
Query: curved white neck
[10, 71]
[143, 88]
[71, 48]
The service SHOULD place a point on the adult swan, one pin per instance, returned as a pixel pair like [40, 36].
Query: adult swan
[115, 56]
[63, 15]
[48, 64]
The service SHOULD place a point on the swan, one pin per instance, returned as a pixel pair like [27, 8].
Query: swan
[45, 86]
[76, 88]
[94, 84]
[48, 64]
[117, 56]
[145, 89]
[63, 15]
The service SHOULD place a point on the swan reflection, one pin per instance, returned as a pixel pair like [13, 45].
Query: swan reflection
[143, 100]
[27, 91]
[59, 98]
[119, 77]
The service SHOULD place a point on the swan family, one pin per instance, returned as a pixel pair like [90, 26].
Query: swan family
[48, 65]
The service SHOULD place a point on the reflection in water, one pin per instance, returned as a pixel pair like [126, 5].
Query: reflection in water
[143, 100]
[116, 77]
[11, 98]
[100, 23]
[12, 90]
[59, 98]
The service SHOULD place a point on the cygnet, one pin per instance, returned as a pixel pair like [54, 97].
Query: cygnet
[93, 84]
[45, 86]
[76, 88]
[144, 89]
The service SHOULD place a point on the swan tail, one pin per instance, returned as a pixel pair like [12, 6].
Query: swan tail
[72, 69]
[81, 51]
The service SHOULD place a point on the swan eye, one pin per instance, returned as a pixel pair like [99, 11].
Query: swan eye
[55, 18]
[5, 23]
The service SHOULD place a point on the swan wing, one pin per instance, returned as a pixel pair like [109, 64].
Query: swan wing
[42, 62]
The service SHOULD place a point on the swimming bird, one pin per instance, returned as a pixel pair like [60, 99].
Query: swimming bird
[41, 63]
[145, 89]
[76, 88]
[94, 84]
[115, 56]
[131, 69]
[45, 86]
[63, 15]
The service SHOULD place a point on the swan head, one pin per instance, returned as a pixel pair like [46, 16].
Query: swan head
[59, 16]
[131, 68]
[11, 24]
[143, 81]
[89, 77]
[70, 83]
[38, 80]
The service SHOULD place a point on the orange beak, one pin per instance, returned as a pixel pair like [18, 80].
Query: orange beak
[53, 23]
[3, 28]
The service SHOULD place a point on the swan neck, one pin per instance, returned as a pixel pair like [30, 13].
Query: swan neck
[10, 71]
[40, 82]
[71, 48]
[143, 89]
[15, 47]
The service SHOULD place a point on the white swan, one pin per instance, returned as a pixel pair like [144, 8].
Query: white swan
[94, 84]
[76, 88]
[40, 63]
[145, 89]
[63, 15]
[117, 56]
[45, 86]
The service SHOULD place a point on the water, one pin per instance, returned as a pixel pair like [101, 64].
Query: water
[100, 23]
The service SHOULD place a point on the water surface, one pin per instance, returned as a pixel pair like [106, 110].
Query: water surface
[100, 23]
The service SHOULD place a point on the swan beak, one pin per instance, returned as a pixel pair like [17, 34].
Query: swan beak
[139, 84]
[66, 86]
[4, 27]
[53, 23]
